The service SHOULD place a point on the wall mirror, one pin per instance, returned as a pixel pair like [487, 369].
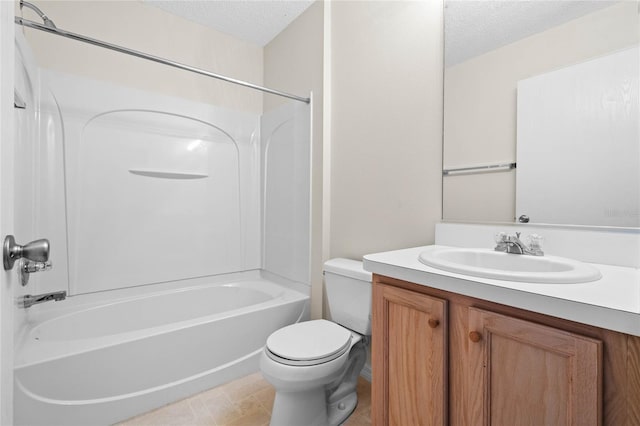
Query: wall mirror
[541, 112]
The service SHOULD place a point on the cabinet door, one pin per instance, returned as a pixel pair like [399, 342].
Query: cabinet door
[522, 373]
[409, 358]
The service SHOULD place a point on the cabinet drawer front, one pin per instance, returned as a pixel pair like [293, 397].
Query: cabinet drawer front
[528, 374]
[409, 358]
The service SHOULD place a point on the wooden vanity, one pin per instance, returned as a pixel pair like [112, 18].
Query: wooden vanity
[442, 358]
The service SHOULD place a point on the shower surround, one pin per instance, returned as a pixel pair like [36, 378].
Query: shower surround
[180, 231]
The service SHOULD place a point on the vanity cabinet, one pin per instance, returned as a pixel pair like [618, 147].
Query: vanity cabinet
[525, 373]
[409, 356]
[482, 363]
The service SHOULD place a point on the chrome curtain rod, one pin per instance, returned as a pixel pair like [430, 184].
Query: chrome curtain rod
[93, 41]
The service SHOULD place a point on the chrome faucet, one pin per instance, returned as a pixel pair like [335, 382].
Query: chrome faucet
[29, 300]
[513, 244]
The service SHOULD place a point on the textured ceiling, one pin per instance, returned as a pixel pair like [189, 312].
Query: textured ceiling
[476, 27]
[472, 27]
[255, 21]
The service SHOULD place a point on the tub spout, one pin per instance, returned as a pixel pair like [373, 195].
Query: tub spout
[29, 300]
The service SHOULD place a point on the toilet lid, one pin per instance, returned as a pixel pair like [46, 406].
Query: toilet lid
[310, 342]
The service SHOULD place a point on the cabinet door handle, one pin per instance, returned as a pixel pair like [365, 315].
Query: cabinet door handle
[433, 323]
[475, 337]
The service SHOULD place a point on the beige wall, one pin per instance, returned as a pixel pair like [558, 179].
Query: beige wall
[480, 105]
[293, 62]
[386, 125]
[154, 31]
[381, 92]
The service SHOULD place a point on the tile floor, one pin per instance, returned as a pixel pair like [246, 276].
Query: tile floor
[243, 402]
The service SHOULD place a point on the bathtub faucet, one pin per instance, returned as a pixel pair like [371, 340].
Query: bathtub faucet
[29, 300]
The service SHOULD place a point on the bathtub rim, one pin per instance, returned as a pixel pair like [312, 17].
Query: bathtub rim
[41, 312]
[29, 354]
[79, 309]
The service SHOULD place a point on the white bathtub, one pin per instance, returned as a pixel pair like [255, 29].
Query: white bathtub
[108, 362]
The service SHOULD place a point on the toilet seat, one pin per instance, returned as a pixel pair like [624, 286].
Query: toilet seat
[308, 343]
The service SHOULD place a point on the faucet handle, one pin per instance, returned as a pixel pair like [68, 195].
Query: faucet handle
[535, 244]
[535, 241]
[500, 237]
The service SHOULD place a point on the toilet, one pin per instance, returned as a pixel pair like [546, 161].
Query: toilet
[314, 365]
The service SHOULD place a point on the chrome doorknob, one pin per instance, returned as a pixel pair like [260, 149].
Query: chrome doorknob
[37, 250]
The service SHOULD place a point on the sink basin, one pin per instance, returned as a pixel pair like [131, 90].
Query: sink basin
[488, 263]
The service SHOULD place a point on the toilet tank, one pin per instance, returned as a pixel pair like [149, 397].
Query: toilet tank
[348, 289]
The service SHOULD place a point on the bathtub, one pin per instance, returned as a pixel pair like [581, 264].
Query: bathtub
[107, 362]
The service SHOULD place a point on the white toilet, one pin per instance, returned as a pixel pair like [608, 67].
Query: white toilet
[314, 365]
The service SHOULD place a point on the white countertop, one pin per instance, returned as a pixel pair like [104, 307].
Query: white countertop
[612, 302]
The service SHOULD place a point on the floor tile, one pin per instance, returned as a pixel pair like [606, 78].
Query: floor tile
[247, 401]
[265, 397]
[175, 414]
[245, 386]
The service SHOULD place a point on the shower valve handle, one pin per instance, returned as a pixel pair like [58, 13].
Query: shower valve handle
[37, 250]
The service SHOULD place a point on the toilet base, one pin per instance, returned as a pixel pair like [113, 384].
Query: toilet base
[310, 408]
[339, 411]
[300, 408]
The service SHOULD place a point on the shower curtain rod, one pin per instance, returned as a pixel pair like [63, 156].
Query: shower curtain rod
[142, 55]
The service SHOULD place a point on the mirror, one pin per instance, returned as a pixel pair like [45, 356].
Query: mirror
[541, 112]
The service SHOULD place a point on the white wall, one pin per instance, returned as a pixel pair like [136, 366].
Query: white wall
[8, 280]
[293, 62]
[386, 125]
[28, 194]
[142, 27]
[480, 105]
